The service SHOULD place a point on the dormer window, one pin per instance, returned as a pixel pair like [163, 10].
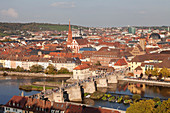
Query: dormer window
[13, 104]
[9, 103]
[17, 105]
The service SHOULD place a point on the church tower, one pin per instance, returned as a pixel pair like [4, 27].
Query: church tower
[142, 41]
[69, 39]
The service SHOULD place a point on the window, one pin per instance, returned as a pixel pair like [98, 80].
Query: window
[7, 108]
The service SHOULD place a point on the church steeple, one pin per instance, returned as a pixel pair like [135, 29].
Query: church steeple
[69, 40]
[142, 41]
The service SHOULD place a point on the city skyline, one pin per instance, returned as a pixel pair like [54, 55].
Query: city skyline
[96, 13]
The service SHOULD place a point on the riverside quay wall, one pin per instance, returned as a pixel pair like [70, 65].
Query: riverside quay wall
[35, 74]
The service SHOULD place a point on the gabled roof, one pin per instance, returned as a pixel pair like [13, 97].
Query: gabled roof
[121, 62]
[138, 68]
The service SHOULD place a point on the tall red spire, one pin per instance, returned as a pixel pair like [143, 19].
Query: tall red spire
[69, 40]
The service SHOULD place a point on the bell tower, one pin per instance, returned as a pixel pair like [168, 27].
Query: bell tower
[69, 39]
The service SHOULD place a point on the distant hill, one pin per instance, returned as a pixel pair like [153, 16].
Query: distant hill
[13, 27]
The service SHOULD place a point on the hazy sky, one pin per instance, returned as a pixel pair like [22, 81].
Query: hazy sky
[96, 13]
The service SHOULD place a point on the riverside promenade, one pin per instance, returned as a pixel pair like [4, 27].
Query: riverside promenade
[148, 82]
[24, 74]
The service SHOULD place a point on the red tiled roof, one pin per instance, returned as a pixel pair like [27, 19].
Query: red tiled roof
[82, 41]
[121, 62]
[81, 67]
[17, 100]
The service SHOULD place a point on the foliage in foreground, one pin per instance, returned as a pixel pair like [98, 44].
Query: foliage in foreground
[149, 106]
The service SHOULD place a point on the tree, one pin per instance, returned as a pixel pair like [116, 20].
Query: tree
[155, 72]
[147, 72]
[19, 69]
[63, 71]
[149, 77]
[164, 107]
[165, 72]
[136, 97]
[143, 106]
[51, 70]
[160, 76]
[36, 68]
[98, 63]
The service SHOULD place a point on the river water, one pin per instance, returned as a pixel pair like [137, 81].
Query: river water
[10, 87]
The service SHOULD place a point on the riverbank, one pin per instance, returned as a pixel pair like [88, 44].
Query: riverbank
[33, 88]
[49, 83]
[24, 74]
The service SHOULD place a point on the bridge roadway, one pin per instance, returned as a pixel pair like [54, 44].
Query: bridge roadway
[80, 82]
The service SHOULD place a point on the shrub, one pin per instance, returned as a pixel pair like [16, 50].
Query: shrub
[96, 95]
[136, 97]
[156, 99]
[104, 98]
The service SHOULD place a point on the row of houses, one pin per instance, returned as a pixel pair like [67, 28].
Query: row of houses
[69, 63]
[22, 104]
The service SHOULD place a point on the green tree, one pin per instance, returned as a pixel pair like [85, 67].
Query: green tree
[141, 107]
[63, 71]
[51, 70]
[36, 68]
[164, 107]
[165, 72]
[19, 69]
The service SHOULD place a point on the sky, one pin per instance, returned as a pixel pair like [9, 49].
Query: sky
[90, 13]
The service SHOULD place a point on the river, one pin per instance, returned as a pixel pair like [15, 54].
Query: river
[10, 87]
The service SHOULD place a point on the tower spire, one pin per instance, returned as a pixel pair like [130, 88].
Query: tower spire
[69, 40]
[69, 25]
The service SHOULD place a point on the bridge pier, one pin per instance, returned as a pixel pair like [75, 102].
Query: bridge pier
[112, 79]
[89, 87]
[75, 93]
[101, 82]
[57, 97]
